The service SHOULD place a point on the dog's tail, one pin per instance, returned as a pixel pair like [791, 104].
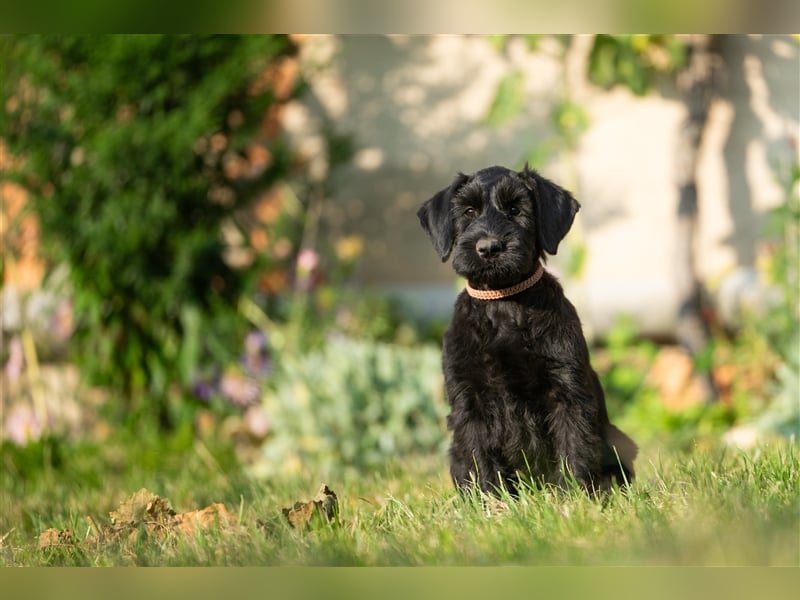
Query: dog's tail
[620, 454]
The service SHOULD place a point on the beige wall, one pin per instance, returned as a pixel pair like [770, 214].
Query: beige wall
[415, 107]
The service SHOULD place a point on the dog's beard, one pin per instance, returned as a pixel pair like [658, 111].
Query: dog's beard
[510, 266]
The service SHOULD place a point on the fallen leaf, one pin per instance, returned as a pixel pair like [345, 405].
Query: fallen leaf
[142, 507]
[56, 537]
[328, 501]
[300, 514]
[215, 515]
[323, 508]
[144, 513]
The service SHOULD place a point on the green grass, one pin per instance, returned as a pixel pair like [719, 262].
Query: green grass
[711, 507]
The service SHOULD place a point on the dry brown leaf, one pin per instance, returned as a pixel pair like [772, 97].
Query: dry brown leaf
[56, 537]
[142, 507]
[300, 514]
[144, 513]
[324, 508]
[215, 515]
[326, 499]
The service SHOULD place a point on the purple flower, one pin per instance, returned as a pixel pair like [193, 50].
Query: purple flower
[203, 390]
[256, 360]
[255, 343]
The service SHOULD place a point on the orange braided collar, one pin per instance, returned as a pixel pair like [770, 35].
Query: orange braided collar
[506, 292]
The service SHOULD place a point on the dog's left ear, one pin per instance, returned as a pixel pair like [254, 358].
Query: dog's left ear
[555, 209]
[437, 220]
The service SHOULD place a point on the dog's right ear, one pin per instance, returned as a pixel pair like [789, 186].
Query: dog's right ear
[556, 209]
[436, 217]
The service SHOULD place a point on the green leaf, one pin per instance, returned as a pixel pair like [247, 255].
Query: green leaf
[508, 100]
[532, 41]
[570, 120]
[189, 354]
[537, 156]
[577, 260]
[629, 60]
[498, 42]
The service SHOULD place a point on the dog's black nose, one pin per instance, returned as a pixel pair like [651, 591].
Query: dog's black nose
[488, 247]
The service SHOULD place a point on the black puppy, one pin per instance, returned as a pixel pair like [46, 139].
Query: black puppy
[525, 401]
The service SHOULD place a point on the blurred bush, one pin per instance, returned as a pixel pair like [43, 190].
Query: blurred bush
[756, 364]
[634, 61]
[352, 404]
[137, 152]
[765, 351]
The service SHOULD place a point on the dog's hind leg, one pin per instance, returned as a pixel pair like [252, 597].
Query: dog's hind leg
[618, 456]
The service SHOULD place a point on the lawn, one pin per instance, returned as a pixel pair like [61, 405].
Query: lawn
[710, 506]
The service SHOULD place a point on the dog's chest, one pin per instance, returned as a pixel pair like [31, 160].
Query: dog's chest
[493, 353]
[497, 385]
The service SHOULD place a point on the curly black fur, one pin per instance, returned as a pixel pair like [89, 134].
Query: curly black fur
[525, 401]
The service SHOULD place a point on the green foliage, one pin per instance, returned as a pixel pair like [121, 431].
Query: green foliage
[625, 361]
[570, 120]
[353, 404]
[781, 327]
[634, 60]
[630, 60]
[508, 100]
[623, 364]
[771, 341]
[651, 422]
[132, 150]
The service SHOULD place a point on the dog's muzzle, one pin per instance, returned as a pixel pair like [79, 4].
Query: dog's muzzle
[488, 247]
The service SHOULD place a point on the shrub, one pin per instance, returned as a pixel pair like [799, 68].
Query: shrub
[135, 151]
[353, 404]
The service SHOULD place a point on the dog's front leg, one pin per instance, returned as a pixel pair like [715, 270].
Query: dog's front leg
[472, 464]
[572, 424]
[468, 465]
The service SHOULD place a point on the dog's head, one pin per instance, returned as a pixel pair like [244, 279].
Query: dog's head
[498, 223]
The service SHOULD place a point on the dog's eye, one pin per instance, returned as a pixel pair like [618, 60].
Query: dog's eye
[513, 211]
[470, 212]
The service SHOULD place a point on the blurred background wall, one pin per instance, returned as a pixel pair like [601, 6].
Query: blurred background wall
[418, 109]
